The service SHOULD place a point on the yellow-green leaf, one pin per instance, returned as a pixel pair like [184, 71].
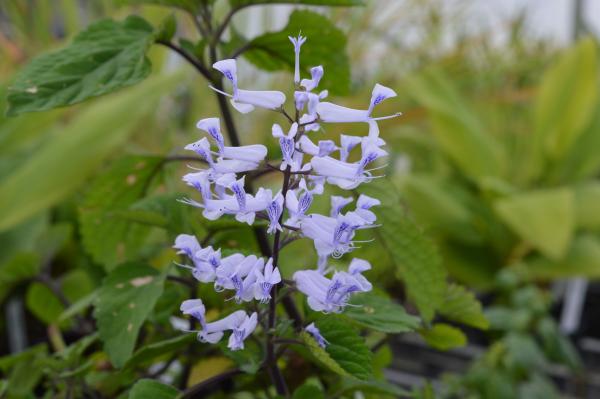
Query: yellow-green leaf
[443, 337]
[461, 305]
[543, 218]
[64, 164]
[567, 98]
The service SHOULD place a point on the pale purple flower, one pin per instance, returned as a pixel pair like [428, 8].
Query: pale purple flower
[238, 322]
[286, 142]
[299, 201]
[349, 175]
[331, 236]
[202, 148]
[187, 245]
[316, 74]
[213, 127]
[324, 148]
[241, 331]
[232, 159]
[347, 144]
[338, 203]
[297, 42]
[201, 182]
[355, 270]
[363, 206]
[274, 211]
[240, 277]
[329, 112]
[205, 260]
[316, 334]
[329, 295]
[310, 119]
[265, 281]
[246, 100]
[243, 206]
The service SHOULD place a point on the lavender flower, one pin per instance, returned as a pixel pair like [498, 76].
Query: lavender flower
[246, 100]
[316, 334]
[238, 322]
[331, 295]
[307, 165]
[265, 281]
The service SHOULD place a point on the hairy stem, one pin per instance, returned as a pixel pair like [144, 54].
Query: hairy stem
[198, 64]
[274, 371]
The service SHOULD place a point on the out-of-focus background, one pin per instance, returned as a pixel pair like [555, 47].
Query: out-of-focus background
[496, 157]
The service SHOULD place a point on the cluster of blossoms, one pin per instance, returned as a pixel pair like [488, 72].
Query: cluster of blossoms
[307, 166]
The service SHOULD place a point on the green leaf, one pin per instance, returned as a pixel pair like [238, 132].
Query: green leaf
[346, 352]
[523, 353]
[325, 46]
[248, 360]
[418, 262]
[583, 259]
[162, 210]
[24, 370]
[126, 298]
[78, 306]
[544, 218]
[105, 57]
[556, 346]
[186, 5]
[567, 98]
[587, 205]
[22, 266]
[43, 303]
[381, 314]
[443, 337]
[460, 134]
[461, 305]
[109, 238]
[583, 160]
[167, 28]
[506, 319]
[435, 204]
[53, 240]
[373, 386]
[46, 306]
[332, 3]
[145, 389]
[160, 348]
[308, 390]
[539, 387]
[76, 151]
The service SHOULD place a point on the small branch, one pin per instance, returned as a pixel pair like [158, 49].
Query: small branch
[162, 163]
[188, 57]
[289, 118]
[221, 28]
[55, 287]
[182, 280]
[308, 123]
[288, 341]
[241, 50]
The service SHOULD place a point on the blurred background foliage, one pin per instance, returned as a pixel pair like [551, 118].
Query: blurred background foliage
[496, 158]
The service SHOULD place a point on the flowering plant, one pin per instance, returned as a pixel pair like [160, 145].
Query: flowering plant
[222, 192]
